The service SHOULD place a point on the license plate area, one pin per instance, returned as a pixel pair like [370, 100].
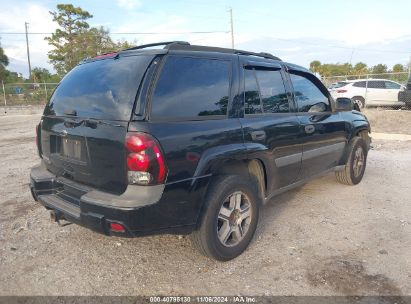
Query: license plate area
[70, 149]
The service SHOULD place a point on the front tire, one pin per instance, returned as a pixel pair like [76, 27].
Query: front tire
[354, 169]
[229, 219]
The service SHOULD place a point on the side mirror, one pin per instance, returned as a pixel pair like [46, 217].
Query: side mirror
[346, 104]
[318, 107]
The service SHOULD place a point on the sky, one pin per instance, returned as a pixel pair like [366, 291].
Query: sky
[297, 31]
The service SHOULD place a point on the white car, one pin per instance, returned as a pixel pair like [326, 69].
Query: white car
[334, 86]
[371, 92]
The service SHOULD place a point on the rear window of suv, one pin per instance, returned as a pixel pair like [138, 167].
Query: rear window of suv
[191, 88]
[101, 89]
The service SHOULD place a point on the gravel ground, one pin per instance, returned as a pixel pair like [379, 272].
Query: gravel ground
[321, 239]
[389, 121]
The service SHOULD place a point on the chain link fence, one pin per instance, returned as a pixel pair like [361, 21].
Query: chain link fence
[380, 91]
[400, 77]
[22, 94]
[385, 91]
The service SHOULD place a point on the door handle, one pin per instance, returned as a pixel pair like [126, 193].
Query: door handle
[309, 129]
[258, 135]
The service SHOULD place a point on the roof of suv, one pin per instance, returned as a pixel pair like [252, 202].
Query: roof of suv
[185, 46]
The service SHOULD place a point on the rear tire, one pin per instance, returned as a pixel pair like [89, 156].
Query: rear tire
[354, 169]
[359, 100]
[229, 219]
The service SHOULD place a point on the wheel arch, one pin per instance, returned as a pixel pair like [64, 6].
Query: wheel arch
[359, 97]
[251, 168]
[359, 131]
[248, 168]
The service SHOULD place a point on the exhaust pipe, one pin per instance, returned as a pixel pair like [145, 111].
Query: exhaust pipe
[58, 217]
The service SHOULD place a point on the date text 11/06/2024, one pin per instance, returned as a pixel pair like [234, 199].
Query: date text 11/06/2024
[202, 299]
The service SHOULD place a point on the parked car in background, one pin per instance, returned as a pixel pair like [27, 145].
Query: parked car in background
[371, 92]
[337, 85]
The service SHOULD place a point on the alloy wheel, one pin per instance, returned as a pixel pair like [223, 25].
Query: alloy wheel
[234, 219]
[358, 162]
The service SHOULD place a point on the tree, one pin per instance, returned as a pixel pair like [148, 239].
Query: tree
[4, 61]
[315, 66]
[13, 77]
[75, 40]
[124, 44]
[41, 74]
[398, 68]
[72, 23]
[93, 42]
[338, 69]
[360, 68]
[379, 69]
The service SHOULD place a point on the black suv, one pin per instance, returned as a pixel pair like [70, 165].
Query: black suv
[405, 95]
[189, 139]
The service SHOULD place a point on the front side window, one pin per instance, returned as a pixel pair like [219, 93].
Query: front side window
[191, 87]
[308, 95]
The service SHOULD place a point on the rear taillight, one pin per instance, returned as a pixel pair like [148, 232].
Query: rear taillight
[341, 91]
[145, 161]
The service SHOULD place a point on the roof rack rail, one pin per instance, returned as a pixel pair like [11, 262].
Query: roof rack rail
[261, 54]
[200, 48]
[269, 55]
[166, 43]
[185, 46]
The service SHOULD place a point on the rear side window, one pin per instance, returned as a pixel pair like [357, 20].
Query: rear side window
[308, 95]
[360, 84]
[191, 87]
[376, 85]
[103, 89]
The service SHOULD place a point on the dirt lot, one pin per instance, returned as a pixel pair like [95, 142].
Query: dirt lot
[389, 121]
[321, 239]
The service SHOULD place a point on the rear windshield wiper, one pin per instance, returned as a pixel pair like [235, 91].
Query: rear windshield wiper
[91, 123]
[70, 112]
